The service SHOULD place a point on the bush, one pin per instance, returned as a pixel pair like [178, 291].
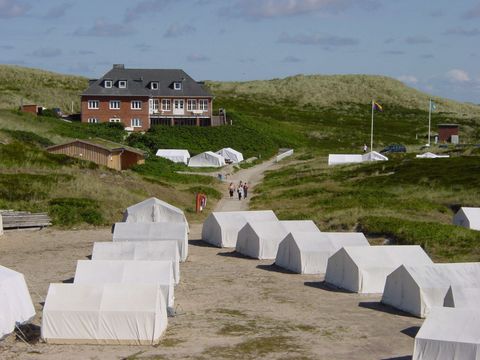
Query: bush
[72, 211]
[28, 137]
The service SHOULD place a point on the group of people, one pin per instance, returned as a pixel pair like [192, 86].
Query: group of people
[241, 189]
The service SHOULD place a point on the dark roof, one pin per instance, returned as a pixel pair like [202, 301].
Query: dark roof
[138, 83]
[102, 144]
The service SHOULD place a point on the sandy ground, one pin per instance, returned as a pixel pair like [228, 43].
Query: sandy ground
[228, 307]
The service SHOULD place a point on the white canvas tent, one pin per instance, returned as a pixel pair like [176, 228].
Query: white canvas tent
[16, 306]
[140, 250]
[462, 297]
[207, 159]
[429, 155]
[448, 333]
[127, 314]
[364, 269]
[338, 159]
[158, 231]
[260, 239]
[221, 228]
[373, 156]
[175, 155]
[468, 217]
[416, 289]
[100, 272]
[154, 210]
[308, 252]
[230, 154]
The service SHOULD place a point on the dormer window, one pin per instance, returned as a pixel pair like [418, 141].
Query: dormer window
[154, 85]
[122, 84]
[108, 84]
[177, 85]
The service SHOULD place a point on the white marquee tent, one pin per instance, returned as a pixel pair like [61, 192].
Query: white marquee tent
[230, 154]
[154, 210]
[207, 159]
[338, 159]
[175, 155]
[100, 272]
[462, 297]
[449, 334]
[308, 252]
[468, 217]
[124, 314]
[429, 155]
[364, 269]
[416, 289]
[158, 231]
[16, 306]
[260, 239]
[221, 228]
[140, 250]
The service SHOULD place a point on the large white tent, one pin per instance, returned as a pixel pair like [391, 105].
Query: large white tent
[140, 250]
[158, 231]
[364, 269]
[133, 314]
[100, 272]
[154, 210]
[448, 333]
[429, 155]
[230, 154]
[308, 252]
[175, 155]
[207, 159]
[462, 297]
[260, 239]
[416, 289]
[468, 217]
[373, 156]
[16, 306]
[338, 159]
[221, 228]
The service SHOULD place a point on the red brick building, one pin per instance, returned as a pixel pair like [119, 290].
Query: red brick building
[446, 131]
[141, 98]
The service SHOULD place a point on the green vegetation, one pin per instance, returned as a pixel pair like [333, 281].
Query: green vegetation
[73, 211]
[409, 201]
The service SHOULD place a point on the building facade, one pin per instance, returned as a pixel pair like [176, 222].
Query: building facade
[142, 98]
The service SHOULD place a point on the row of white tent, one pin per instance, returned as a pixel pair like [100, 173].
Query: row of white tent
[125, 292]
[339, 159]
[405, 275]
[205, 159]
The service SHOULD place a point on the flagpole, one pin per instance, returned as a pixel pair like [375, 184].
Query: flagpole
[429, 120]
[371, 130]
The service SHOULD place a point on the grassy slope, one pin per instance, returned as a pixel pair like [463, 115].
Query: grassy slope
[39, 87]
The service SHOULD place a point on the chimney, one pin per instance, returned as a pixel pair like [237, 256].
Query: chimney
[118, 66]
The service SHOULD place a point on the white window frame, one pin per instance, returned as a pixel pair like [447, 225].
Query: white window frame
[108, 84]
[93, 104]
[191, 104]
[177, 85]
[154, 85]
[115, 120]
[166, 105]
[92, 120]
[136, 105]
[122, 84]
[203, 104]
[136, 123]
[111, 102]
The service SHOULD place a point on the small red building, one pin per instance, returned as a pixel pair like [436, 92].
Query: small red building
[446, 131]
[32, 109]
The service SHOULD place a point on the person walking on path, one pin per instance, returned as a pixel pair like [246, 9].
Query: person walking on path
[240, 192]
[245, 190]
[231, 189]
[365, 148]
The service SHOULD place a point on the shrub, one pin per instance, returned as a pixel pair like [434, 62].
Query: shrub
[28, 137]
[72, 211]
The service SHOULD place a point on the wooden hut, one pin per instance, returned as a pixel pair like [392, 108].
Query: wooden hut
[102, 152]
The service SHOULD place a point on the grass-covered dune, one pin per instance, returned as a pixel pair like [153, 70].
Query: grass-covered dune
[407, 200]
[40, 87]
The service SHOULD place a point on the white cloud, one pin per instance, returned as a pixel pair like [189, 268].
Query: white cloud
[197, 58]
[101, 28]
[317, 39]
[458, 76]
[409, 79]
[179, 30]
[12, 8]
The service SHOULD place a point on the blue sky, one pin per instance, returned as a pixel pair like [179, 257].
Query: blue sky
[430, 45]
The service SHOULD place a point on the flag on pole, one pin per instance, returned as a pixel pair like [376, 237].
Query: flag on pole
[433, 106]
[377, 106]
